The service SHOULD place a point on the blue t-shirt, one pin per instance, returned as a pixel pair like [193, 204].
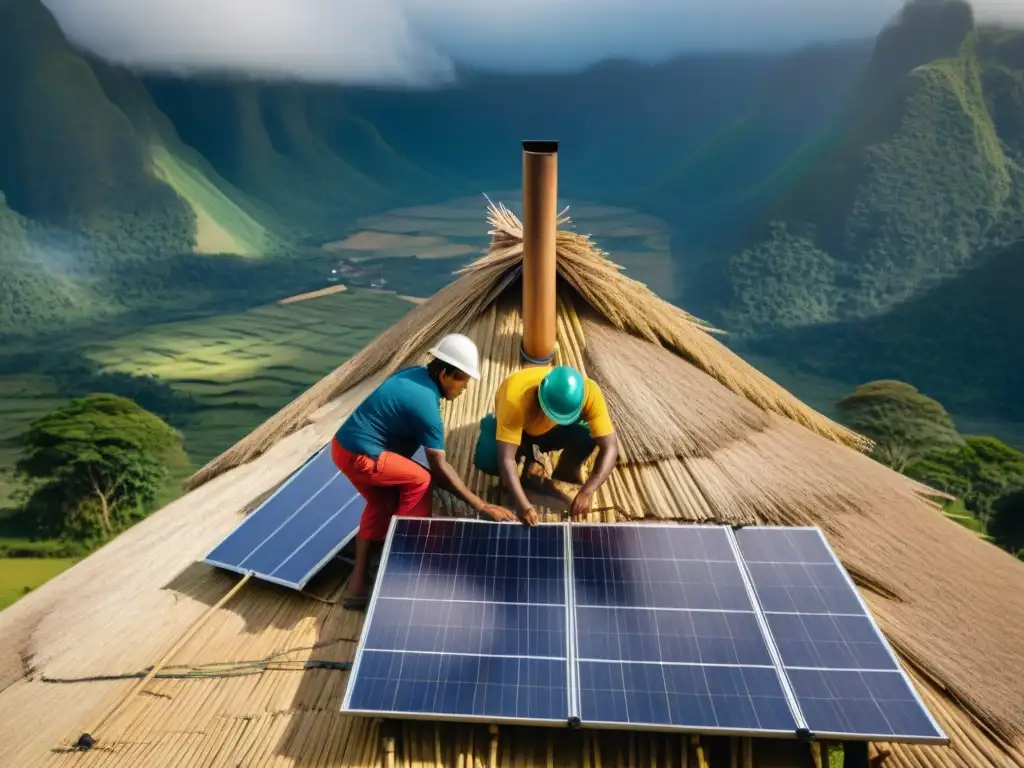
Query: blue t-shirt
[402, 414]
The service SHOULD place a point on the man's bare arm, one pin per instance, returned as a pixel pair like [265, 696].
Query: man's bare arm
[608, 454]
[509, 473]
[444, 475]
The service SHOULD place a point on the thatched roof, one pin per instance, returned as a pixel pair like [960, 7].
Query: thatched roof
[705, 438]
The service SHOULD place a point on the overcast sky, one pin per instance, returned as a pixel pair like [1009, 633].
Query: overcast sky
[416, 41]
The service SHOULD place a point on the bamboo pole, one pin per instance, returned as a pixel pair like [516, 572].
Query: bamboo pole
[87, 740]
[702, 757]
[493, 730]
[747, 750]
[734, 752]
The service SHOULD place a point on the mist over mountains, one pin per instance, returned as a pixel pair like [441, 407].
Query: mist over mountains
[830, 199]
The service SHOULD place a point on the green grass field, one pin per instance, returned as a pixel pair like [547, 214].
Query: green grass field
[243, 368]
[18, 576]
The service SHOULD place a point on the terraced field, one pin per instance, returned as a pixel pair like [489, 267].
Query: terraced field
[457, 230]
[244, 368]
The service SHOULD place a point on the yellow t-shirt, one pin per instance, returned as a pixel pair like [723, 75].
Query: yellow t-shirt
[518, 410]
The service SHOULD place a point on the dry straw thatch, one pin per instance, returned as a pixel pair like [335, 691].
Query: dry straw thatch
[706, 437]
[624, 303]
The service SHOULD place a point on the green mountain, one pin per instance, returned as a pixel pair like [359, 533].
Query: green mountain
[831, 201]
[26, 276]
[727, 176]
[962, 341]
[118, 179]
[922, 181]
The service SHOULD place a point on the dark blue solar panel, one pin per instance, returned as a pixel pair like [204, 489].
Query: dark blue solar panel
[698, 698]
[463, 560]
[437, 685]
[650, 566]
[675, 598]
[498, 629]
[832, 642]
[296, 532]
[692, 637]
[846, 680]
[468, 620]
[869, 705]
[803, 588]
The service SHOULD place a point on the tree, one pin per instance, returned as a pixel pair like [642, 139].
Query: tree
[1006, 526]
[905, 424]
[95, 465]
[980, 471]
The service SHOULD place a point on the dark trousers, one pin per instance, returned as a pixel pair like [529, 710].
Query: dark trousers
[574, 441]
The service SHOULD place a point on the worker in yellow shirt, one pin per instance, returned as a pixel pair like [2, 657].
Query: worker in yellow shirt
[547, 409]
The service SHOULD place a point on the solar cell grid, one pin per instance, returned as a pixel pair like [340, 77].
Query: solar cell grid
[654, 567]
[865, 705]
[469, 620]
[846, 680]
[681, 637]
[296, 532]
[437, 626]
[684, 696]
[456, 560]
[655, 627]
[667, 634]
[494, 688]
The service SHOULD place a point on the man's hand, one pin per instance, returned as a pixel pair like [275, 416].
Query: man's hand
[581, 504]
[499, 514]
[530, 517]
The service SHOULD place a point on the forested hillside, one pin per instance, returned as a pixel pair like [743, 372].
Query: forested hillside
[923, 182]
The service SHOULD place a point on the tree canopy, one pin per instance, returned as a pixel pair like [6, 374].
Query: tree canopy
[905, 424]
[95, 465]
[979, 472]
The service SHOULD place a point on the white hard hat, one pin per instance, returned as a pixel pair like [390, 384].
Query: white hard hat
[460, 351]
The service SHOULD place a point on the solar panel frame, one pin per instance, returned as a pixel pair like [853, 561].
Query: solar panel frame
[324, 454]
[576, 693]
[361, 650]
[572, 652]
[941, 739]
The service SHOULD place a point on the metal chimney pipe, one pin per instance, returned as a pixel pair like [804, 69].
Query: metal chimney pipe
[540, 213]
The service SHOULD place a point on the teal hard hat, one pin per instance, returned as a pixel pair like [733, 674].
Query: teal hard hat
[561, 395]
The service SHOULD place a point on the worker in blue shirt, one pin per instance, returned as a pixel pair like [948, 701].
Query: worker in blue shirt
[373, 449]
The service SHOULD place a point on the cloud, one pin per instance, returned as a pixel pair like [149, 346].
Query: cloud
[392, 42]
[332, 40]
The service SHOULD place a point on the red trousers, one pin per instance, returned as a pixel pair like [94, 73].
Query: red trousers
[392, 485]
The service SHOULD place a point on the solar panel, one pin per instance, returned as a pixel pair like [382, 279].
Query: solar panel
[668, 636]
[846, 679]
[755, 632]
[468, 621]
[296, 532]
